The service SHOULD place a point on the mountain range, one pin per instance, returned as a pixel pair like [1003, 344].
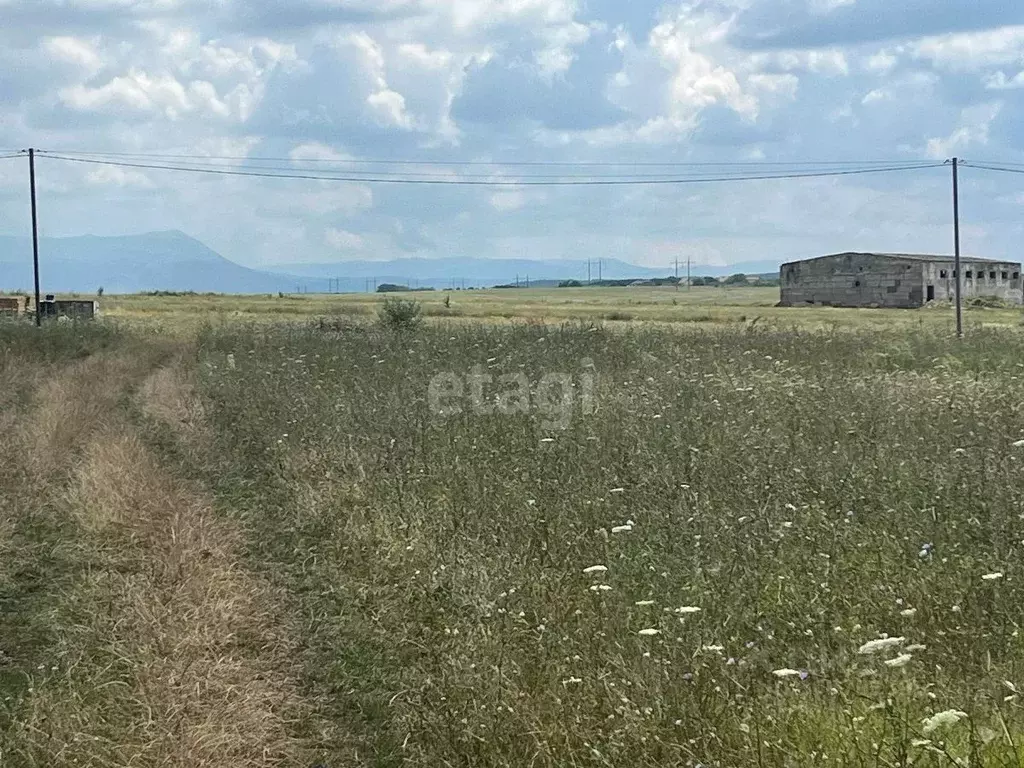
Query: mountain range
[173, 261]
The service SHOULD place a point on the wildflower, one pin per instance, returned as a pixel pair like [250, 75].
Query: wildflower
[900, 661]
[600, 588]
[688, 609]
[920, 742]
[785, 672]
[915, 647]
[992, 576]
[713, 648]
[547, 440]
[908, 612]
[873, 646]
[622, 529]
[617, 490]
[942, 719]
[649, 632]
[1019, 444]
[572, 681]
[643, 603]
[596, 569]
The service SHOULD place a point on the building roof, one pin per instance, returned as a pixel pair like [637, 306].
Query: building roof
[909, 257]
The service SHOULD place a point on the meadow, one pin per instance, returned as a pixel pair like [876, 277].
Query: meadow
[546, 540]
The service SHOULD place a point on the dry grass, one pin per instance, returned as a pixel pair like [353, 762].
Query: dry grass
[149, 645]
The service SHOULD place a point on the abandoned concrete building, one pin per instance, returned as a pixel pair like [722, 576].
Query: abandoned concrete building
[894, 280]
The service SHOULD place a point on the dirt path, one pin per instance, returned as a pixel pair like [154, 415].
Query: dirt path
[135, 637]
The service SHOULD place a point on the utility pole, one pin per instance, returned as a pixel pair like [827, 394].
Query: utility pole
[689, 283]
[600, 265]
[956, 250]
[588, 272]
[35, 231]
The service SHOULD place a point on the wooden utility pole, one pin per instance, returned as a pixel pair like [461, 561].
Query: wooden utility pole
[35, 232]
[689, 282]
[956, 250]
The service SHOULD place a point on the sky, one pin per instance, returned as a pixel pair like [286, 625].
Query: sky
[495, 82]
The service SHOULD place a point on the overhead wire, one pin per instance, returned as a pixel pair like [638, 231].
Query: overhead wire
[990, 167]
[492, 163]
[263, 165]
[524, 182]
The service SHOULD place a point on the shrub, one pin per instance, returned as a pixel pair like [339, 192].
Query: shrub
[401, 314]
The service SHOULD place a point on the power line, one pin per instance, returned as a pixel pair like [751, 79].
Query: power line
[262, 166]
[987, 167]
[497, 163]
[10, 156]
[492, 183]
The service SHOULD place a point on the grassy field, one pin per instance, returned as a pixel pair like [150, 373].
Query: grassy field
[788, 542]
[723, 305]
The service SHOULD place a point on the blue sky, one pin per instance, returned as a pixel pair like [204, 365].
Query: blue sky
[519, 80]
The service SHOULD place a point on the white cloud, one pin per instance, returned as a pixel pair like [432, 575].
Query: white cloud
[825, 61]
[879, 94]
[118, 177]
[971, 51]
[386, 104]
[881, 62]
[697, 79]
[975, 123]
[75, 50]
[998, 81]
[342, 240]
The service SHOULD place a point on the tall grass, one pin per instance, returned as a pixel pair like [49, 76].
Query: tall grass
[808, 492]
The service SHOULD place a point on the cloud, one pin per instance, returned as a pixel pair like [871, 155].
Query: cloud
[998, 81]
[971, 51]
[73, 50]
[118, 177]
[341, 240]
[973, 130]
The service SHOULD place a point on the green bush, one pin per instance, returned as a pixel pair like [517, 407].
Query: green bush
[401, 314]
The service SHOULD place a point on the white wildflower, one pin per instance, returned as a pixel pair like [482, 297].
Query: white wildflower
[617, 490]
[572, 681]
[547, 440]
[600, 588]
[643, 603]
[920, 742]
[915, 647]
[908, 612]
[596, 569]
[622, 529]
[900, 661]
[649, 632]
[688, 609]
[942, 719]
[713, 648]
[785, 672]
[1019, 444]
[992, 576]
[874, 646]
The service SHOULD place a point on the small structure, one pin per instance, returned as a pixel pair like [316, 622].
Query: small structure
[13, 305]
[895, 280]
[73, 309]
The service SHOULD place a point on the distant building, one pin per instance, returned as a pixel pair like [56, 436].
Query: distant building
[73, 309]
[894, 280]
[13, 305]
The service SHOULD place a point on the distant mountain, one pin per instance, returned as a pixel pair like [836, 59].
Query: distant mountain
[173, 261]
[169, 261]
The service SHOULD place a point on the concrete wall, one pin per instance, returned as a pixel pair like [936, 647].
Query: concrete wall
[853, 280]
[1000, 279]
[75, 309]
